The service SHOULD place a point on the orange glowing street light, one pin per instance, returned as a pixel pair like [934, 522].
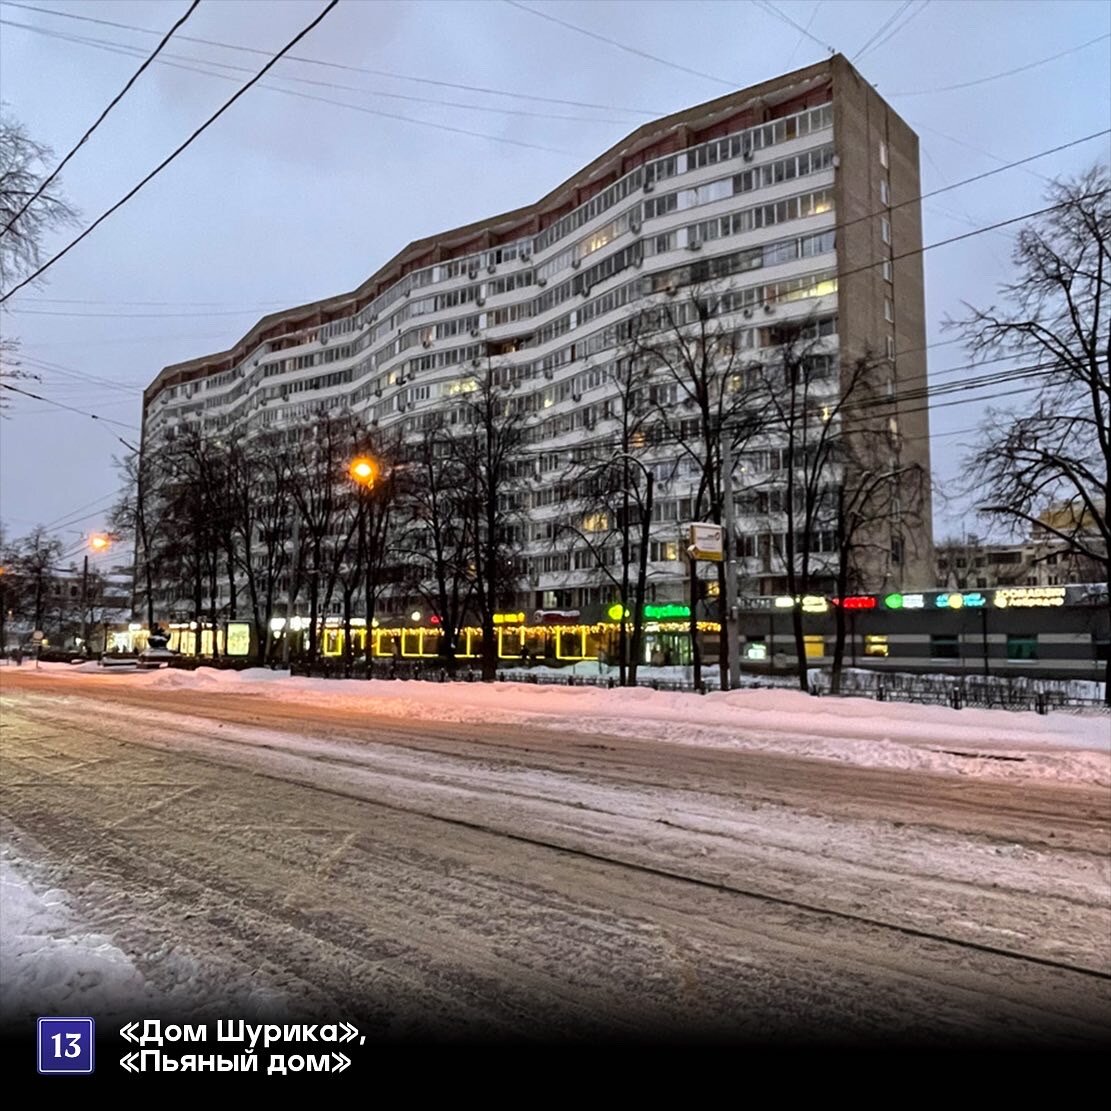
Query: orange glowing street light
[99, 542]
[363, 470]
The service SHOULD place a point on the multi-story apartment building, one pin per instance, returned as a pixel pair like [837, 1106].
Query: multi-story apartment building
[798, 194]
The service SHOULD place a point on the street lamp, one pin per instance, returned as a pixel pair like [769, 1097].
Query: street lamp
[363, 470]
[98, 542]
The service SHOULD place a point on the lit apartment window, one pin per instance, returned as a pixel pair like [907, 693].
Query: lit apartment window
[885, 230]
[887, 270]
[883, 154]
[885, 197]
[814, 646]
[888, 310]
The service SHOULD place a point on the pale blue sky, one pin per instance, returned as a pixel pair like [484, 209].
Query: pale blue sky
[288, 199]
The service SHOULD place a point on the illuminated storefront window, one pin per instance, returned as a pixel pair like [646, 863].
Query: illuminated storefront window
[815, 647]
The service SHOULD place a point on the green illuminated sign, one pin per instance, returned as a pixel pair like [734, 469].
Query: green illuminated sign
[666, 613]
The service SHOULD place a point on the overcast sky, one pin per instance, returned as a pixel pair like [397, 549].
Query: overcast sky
[288, 199]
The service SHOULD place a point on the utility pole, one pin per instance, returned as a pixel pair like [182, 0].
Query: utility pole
[85, 607]
[293, 560]
[732, 617]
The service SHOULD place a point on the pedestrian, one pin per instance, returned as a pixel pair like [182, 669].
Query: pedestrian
[18, 654]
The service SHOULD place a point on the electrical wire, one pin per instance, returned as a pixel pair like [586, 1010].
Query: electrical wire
[170, 158]
[881, 28]
[198, 67]
[897, 29]
[1005, 73]
[61, 405]
[803, 32]
[513, 94]
[99, 120]
[772, 10]
[840, 226]
[186, 62]
[622, 46]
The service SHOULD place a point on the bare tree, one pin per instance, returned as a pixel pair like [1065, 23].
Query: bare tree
[319, 456]
[140, 515]
[803, 400]
[611, 515]
[434, 540]
[488, 450]
[31, 574]
[25, 218]
[692, 359]
[1047, 466]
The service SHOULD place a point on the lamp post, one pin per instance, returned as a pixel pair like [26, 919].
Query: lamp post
[363, 471]
[98, 542]
[642, 561]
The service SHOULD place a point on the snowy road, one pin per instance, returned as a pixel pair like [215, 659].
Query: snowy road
[255, 855]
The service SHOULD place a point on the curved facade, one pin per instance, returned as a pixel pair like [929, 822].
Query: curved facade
[780, 192]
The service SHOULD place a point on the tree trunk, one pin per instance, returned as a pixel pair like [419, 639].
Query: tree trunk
[800, 645]
[696, 647]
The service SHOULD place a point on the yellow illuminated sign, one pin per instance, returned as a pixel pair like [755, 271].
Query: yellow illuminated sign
[1029, 596]
[509, 618]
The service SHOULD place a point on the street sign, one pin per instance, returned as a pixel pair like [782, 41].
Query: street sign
[706, 542]
[37, 636]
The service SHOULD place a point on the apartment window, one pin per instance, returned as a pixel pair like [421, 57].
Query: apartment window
[885, 229]
[888, 310]
[1022, 646]
[887, 270]
[885, 197]
[883, 154]
[897, 550]
[875, 645]
[890, 345]
[944, 646]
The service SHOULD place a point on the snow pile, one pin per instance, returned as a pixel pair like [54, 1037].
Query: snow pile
[997, 743]
[48, 965]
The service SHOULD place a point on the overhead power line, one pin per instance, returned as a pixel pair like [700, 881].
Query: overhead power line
[1005, 73]
[169, 158]
[99, 120]
[192, 64]
[623, 46]
[134, 315]
[201, 67]
[783, 17]
[895, 30]
[347, 68]
[882, 27]
[60, 405]
[882, 211]
[804, 31]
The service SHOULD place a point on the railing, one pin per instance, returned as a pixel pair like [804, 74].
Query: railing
[1019, 694]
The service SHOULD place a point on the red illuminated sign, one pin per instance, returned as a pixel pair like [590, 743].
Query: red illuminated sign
[857, 602]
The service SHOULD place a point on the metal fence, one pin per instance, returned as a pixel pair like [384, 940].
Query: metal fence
[1019, 694]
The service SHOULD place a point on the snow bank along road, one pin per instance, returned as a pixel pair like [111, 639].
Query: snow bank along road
[251, 854]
